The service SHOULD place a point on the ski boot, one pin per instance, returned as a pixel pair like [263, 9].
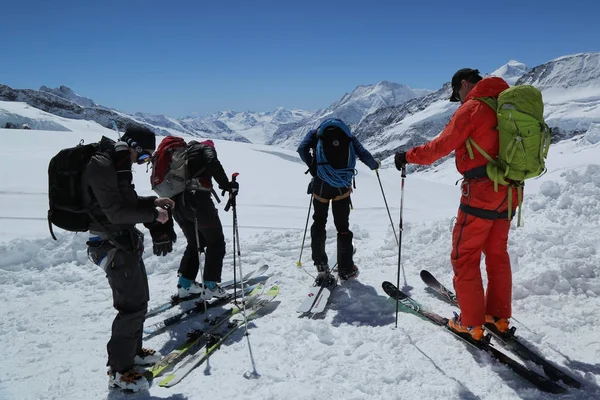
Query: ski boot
[473, 332]
[212, 289]
[344, 276]
[498, 325]
[129, 381]
[146, 357]
[322, 273]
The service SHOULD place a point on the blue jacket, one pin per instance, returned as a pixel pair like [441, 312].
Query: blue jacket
[310, 142]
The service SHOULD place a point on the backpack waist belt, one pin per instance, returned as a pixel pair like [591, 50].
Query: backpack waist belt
[484, 214]
[477, 172]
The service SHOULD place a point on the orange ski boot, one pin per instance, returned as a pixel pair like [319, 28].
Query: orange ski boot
[474, 332]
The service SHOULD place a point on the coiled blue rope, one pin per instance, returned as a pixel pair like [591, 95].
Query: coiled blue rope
[335, 177]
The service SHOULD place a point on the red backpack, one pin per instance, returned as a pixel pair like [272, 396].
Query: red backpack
[169, 167]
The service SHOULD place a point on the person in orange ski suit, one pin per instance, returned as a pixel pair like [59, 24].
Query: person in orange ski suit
[482, 224]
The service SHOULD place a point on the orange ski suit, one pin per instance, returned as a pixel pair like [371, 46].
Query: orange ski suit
[482, 223]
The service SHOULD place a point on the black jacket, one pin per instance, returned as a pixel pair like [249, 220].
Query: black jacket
[204, 164]
[110, 194]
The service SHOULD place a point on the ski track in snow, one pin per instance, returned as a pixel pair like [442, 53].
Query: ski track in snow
[57, 311]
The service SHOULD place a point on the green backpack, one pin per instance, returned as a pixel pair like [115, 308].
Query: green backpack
[524, 140]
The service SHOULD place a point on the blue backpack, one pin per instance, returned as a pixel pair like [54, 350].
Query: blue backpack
[335, 154]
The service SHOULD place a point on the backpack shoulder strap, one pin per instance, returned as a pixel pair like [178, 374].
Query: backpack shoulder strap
[493, 103]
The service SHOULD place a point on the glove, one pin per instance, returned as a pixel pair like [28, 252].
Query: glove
[161, 244]
[163, 237]
[309, 190]
[378, 165]
[233, 187]
[312, 169]
[400, 160]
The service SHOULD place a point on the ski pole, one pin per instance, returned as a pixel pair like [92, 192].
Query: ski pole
[299, 263]
[231, 204]
[403, 174]
[200, 263]
[236, 245]
[386, 205]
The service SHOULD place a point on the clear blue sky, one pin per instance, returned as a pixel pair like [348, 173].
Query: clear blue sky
[194, 57]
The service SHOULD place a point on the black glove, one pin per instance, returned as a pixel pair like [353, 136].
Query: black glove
[233, 187]
[161, 244]
[312, 169]
[400, 160]
[163, 237]
[309, 190]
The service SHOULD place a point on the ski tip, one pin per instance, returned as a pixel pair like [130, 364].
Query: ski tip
[389, 288]
[426, 275]
[273, 290]
[165, 382]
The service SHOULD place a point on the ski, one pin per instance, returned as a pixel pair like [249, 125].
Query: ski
[318, 295]
[195, 336]
[160, 326]
[412, 306]
[508, 339]
[214, 341]
[175, 300]
[438, 289]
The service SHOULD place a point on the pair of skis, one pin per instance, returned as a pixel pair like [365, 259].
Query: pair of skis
[175, 299]
[199, 308]
[507, 339]
[211, 339]
[317, 298]
[250, 280]
[547, 383]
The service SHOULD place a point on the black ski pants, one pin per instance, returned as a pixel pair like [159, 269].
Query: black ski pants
[127, 278]
[323, 194]
[199, 205]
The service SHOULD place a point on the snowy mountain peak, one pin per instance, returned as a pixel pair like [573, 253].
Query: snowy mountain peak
[577, 70]
[67, 93]
[511, 71]
[382, 94]
[352, 108]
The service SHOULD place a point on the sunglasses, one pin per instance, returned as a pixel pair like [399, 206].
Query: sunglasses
[144, 158]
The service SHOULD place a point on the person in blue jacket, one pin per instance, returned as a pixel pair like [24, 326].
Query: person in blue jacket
[332, 165]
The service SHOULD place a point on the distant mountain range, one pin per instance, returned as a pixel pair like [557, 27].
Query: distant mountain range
[386, 116]
[570, 87]
[352, 108]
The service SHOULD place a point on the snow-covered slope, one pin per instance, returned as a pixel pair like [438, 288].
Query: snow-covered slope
[570, 86]
[62, 102]
[20, 113]
[352, 108]
[57, 310]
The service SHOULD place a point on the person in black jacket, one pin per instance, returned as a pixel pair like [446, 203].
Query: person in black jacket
[196, 215]
[117, 246]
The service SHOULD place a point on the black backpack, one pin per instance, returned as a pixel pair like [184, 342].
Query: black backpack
[65, 193]
[335, 155]
[336, 147]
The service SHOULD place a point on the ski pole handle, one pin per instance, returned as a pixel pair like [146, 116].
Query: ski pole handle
[232, 194]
